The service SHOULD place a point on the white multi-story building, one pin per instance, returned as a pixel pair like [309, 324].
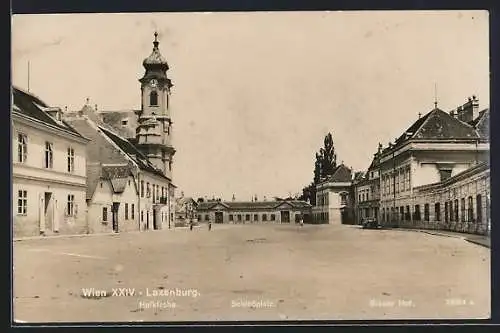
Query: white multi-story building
[49, 170]
[438, 148]
[334, 202]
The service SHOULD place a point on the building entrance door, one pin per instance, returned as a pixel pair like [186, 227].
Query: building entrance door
[219, 217]
[114, 215]
[155, 220]
[285, 216]
[48, 210]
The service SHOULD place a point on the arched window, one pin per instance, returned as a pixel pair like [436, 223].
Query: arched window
[153, 98]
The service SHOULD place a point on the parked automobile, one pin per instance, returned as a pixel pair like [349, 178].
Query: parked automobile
[370, 223]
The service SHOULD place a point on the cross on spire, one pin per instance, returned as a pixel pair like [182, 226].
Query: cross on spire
[435, 96]
[155, 43]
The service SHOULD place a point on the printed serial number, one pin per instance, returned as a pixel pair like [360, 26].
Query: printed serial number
[458, 302]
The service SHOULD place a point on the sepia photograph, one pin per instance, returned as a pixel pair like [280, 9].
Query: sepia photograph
[250, 166]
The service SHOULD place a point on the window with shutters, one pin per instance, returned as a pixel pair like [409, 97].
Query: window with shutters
[49, 155]
[70, 205]
[22, 148]
[71, 160]
[22, 202]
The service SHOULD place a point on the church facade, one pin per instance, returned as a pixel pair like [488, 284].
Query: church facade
[130, 156]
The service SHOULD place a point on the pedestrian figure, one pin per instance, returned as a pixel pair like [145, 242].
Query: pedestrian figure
[301, 221]
[191, 225]
[209, 225]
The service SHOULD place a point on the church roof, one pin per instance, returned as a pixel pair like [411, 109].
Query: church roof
[133, 153]
[155, 58]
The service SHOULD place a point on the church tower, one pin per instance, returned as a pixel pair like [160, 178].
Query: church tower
[154, 124]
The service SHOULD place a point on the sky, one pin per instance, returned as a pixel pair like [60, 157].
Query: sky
[256, 92]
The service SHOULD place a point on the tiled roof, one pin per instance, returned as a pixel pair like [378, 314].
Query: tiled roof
[482, 124]
[119, 184]
[341, 174]
[256, 205]
[115, 118]
[31, 106]
[436, 125]
[135, 154]
[118, 175]
[116, 171]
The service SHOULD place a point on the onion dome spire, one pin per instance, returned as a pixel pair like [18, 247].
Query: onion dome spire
[155, 59]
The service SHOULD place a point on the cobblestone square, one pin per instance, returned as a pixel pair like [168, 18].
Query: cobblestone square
[251, 272]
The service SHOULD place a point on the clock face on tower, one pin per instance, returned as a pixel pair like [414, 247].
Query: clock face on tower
[153, 83]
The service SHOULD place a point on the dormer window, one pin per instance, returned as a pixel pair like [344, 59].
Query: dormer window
[125, 122]
[153, 98]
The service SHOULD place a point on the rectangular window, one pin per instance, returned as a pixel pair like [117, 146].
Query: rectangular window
[479, 209]
[70, 206]
[49, 155]
[446, 212]
[22, 148]
[396, 179]
[247, 217]
[255, 217]
[154, 193]
[142, 215]
[264, 217]
[444, 175]
[402, 213]
[437, 211]
[231, 217]
[148, 190]
[456, 210]
[132, 211]
[273, 217]
[126, 211]
[163, 192]
[239, 217]
[462, 209]
[157, 193]
[22, 202]
[142, 188]
[104, 214]
[71, 160]
[407, 214]
[408, 179]
[417, 212]
[207, 217]
[426, 212]
[470, 210]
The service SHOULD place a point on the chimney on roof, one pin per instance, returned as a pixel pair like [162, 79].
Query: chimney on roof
[468, 111]
[95, 107]
[419, 115]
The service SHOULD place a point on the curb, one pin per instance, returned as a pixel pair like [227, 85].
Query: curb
[112, 234]
[464, 238]
[478, 243]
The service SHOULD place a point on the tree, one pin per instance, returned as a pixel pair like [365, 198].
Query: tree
[328, 156]
[324, 166]
[317, 169]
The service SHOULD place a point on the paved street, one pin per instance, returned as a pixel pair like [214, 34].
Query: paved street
[314, 272]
